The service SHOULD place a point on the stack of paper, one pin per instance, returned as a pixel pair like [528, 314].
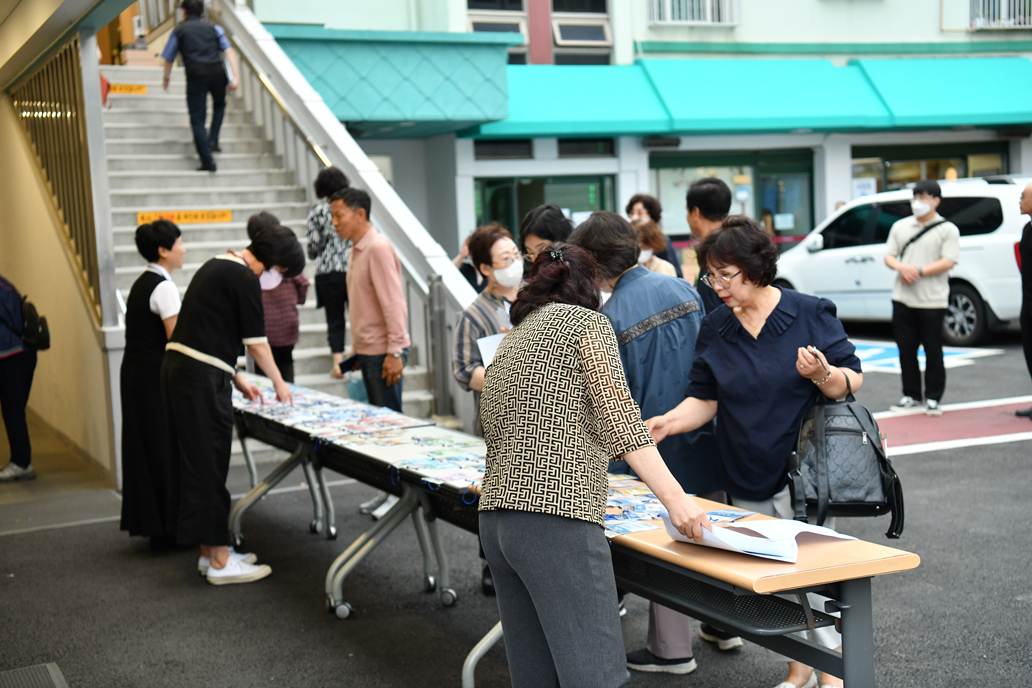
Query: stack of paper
[768, 538]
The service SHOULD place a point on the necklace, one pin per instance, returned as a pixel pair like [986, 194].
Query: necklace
[754, 330]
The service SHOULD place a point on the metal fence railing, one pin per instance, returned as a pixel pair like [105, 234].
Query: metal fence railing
[694, 12]
[1001, 14]
[49, 103]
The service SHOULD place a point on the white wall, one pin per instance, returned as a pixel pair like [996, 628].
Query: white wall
[363, 15]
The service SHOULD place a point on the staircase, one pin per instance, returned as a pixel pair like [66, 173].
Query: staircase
[152, 167]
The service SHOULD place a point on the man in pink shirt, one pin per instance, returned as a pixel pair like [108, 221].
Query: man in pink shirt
[378, 310]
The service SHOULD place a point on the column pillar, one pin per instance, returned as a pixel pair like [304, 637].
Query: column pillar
[539, 26]
[832, 175]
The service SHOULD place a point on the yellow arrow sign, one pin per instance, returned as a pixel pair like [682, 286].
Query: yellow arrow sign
[186, 217]
[133, 89]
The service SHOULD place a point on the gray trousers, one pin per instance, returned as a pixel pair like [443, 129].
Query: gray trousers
[557, 600]
[780, 506]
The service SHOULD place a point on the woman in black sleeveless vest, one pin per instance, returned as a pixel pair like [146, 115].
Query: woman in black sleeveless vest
[151, 313]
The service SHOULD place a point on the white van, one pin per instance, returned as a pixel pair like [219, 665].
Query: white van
[844, 258]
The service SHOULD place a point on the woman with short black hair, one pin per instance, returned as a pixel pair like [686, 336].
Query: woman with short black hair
[544, 225]
[332, 254]
[151, 313]
[754, 373]
[555, 410]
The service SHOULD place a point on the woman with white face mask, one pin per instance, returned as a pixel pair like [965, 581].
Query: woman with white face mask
[652, 242]
[496, 257]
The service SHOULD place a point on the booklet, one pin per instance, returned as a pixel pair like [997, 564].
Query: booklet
[769, 538]
[488, 346]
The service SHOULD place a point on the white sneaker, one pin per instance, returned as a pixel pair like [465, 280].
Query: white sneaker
[13, 471]
[203, 563]
[905, 404]
[236, 571]
[932, 408]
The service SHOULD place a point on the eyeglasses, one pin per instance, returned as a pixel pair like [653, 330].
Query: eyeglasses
[507, 260]
[715, 281]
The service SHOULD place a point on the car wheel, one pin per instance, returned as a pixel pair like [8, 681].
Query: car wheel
[784, 284]
[964, 324]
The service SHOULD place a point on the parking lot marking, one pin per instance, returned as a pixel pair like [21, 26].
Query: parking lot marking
[883, 357]
[968, 424]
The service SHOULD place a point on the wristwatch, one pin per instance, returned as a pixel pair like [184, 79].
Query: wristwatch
[920, 272]
[396, 354]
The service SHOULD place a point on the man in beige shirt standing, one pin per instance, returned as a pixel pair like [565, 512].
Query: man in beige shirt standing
[922, 249]
[378, 310]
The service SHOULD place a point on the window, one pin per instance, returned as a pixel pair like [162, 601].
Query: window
[849, 229]
[508, 200]
[496, 26]
[890, 213]
[592, 6]
[517, 149]
[886, 168]
[582, 58]
[972, 215]
[503, 5]
[586, 148]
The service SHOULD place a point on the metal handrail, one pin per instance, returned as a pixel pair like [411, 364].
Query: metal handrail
[1001, 14]
[693, 12]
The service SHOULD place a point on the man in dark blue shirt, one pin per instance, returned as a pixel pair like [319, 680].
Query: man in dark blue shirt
[17, 365]
[657, 320]
[199, 43]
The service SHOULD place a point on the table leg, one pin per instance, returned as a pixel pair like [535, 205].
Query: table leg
[448, 594]
[316, 525]
[857, 633]
[429, 580]
[248, 459]
[330, 531]
[361, 548]
[259, 490]
[478, 652]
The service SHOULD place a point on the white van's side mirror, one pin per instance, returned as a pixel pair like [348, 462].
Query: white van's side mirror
[816, 243]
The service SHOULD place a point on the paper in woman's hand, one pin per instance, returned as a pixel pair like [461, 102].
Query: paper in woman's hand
[768, 538]
[488, 346]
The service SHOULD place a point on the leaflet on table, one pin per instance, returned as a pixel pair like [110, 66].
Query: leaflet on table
[612, 530]
[727, 515]
[768, 538]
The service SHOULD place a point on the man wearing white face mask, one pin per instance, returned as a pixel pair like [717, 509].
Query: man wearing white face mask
[922, 249]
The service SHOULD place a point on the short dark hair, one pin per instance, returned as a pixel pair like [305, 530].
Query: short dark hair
[260, 221]
[928, 186]
[711, 196]
[278, 246]
[353, 198]
[650, 203]
[483, 240]
[329, 180]
[157, 234]
[650, 234]
[546, 221]
[568, 277]
[611, 240]
[192, 8]
[739, 241]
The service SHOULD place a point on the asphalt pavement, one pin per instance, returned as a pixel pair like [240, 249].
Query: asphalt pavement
[111, 613]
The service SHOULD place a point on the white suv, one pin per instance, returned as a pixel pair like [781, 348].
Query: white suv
[844, 258]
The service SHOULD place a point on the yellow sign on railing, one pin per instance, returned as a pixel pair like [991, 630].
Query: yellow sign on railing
[186, 217]
[132, 89]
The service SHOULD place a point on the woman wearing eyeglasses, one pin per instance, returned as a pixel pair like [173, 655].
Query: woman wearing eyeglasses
[752, 372]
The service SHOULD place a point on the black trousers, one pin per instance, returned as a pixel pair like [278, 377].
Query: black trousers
[284, 357]
[15, 383]
[197, 90]
[331, 292]
[1026, 332]
[199, 420]
[914, 327]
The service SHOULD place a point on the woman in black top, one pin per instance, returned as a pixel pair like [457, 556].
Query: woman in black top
[753, 372]
[151, 313]
[222, 309]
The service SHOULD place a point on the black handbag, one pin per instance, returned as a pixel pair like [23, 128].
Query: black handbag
[840, 467]
[35, 332]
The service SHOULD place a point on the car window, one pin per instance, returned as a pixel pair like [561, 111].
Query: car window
[848, 230]
[890, 213]
[977, 215]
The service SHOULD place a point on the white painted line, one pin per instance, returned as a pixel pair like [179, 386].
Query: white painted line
[964, 406]
[298, 488]
[57, 526]
[958, 444]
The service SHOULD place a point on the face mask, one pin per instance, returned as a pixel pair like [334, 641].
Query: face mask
[645, 256]
[270, 279]
[511, 276]
[920, 208]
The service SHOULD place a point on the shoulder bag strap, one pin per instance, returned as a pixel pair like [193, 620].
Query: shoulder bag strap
[919, 235]
[821, 446]
[796, 486]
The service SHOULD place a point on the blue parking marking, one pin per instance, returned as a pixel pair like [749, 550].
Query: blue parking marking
[883, 357]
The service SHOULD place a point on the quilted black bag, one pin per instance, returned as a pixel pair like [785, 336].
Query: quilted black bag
[840, 467]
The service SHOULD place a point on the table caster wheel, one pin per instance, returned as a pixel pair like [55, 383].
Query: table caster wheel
[429, 583]
[238, 543]
[448, 597]
[343, 610]
[315, 526]
[332, 535]
[330, 604]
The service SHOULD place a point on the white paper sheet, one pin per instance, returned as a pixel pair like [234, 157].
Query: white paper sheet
[774, 539]
[488, 346]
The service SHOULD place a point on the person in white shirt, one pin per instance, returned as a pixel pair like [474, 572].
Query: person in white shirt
[922, 249]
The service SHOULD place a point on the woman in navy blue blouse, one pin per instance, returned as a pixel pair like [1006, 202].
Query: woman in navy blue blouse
[752, 371]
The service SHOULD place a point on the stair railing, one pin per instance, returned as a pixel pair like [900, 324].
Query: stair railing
[308, 137]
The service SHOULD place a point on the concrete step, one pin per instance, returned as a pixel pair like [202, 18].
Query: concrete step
[226, 232]
[125, 275]
[180, 130]
[183, 146]
[166, 117]
[207, 198]
[197, 252]
[154, 99]
[187, 162]
[240, 212]
[140, 179]
[137, 75]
